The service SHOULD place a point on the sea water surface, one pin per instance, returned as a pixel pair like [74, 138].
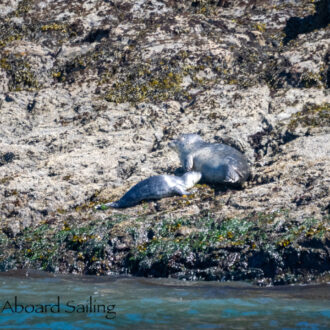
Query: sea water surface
[43, 301]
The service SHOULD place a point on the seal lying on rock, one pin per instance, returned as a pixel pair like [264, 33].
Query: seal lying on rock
[155, 187]
[218, 163]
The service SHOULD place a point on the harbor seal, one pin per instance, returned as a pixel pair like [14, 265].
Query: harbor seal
[218, 163]
[155, 187]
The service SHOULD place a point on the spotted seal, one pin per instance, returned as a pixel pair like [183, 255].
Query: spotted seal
[155, 187]
[218, 163]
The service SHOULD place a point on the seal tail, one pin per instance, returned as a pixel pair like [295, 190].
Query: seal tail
[107, 205]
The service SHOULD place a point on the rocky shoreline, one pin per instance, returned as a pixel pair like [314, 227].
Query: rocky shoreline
[92, 92]
[264, 249]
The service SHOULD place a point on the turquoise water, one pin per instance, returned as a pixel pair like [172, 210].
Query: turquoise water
[138, 303]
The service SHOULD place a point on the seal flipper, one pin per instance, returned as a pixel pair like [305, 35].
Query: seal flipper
[188, 163]
[180, 191]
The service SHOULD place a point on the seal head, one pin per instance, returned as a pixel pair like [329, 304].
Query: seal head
[186, 142]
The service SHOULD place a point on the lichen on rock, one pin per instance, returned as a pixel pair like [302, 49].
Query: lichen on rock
[92, 92]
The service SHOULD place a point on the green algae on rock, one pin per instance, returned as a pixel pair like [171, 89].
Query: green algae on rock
[312, 115]
[265, 248]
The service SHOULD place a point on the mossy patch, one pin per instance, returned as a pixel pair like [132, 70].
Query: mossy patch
[311, 80]
[24, 6]
[312, 115]
[9, 38]
[154, 87]
[20, 73]
[206, 247]
[44, 247]
[6, 179]
[209, 234]
[54, 27]
[261, 27]
[210, 243]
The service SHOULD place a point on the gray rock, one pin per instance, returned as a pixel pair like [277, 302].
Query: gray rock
[91, 94]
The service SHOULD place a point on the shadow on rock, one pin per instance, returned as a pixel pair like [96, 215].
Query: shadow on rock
[319, 20]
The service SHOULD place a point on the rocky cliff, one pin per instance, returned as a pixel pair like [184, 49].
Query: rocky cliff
[91, 92]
